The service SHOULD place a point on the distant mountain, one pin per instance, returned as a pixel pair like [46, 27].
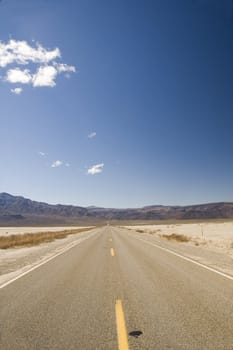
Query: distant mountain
[20, 210]
[17, 210]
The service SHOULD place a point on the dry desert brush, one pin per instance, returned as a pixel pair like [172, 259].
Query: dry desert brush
[176, 237]
[32, 239]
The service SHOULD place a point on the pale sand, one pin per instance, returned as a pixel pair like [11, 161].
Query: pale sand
[213, 236]
[22, 230]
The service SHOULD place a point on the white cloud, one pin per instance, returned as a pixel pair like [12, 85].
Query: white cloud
[21, 52]
[18, 76]
[67, 164]
[56, 163]
[41, 154]
[95, 169]
[91, 135]
[17, 91]
[45, 76]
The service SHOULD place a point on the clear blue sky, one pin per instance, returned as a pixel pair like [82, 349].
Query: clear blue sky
[153, 80]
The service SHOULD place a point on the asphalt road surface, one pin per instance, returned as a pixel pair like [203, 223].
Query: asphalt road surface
[114, 291]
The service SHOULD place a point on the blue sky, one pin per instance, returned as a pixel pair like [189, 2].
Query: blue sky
[117, 103]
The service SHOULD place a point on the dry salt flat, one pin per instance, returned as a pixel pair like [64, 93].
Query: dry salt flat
[22, 230]
[217, 236]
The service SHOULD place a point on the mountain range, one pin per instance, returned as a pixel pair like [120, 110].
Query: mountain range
[20, 211]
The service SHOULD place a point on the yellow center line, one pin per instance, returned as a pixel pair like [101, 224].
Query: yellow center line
[121, 327]
[112, 252]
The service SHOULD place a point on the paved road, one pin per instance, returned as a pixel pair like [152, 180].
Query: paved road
[69, 302]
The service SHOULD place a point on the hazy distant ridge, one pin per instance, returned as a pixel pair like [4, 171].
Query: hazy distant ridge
[22, 211]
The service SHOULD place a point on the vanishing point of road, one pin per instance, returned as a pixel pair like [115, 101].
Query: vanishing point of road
[116, 291]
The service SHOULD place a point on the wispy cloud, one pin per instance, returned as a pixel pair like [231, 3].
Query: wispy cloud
[62, 67]
[42, 154]
[91, 135]
[67, 165]
[56, 163]
[96, 169]
[21, 53]
[17, 91]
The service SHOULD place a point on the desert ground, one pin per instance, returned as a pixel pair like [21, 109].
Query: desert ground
[22, 230]
[215, 236]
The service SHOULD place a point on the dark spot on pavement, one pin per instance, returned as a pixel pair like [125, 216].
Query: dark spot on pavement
[135, 334]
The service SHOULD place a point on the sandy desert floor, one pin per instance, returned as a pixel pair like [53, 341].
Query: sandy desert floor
[210, 235]
[22, 230]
